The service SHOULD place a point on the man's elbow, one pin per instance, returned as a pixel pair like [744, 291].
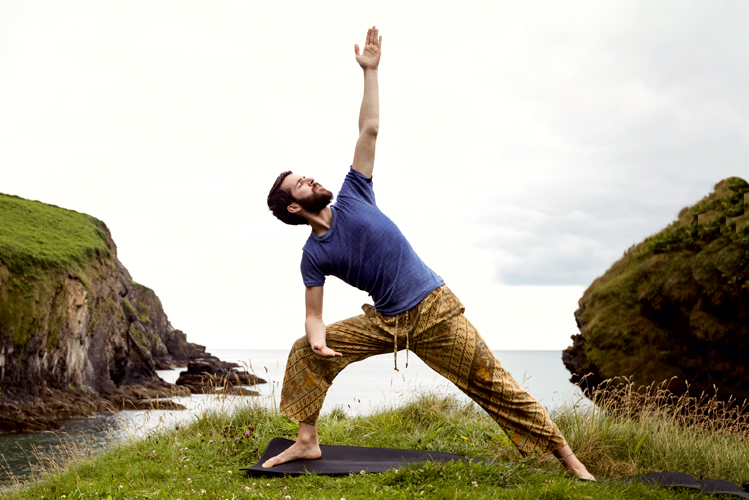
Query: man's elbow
[371, 127]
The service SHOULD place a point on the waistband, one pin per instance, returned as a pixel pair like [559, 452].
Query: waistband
[436, 307]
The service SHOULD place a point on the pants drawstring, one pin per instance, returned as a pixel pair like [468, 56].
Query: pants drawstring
[395, 337]
[395, 345]
[406, 347]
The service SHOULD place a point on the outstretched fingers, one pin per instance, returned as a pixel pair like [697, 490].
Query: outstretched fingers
[374, 39]
[368, 56]
[326, 352]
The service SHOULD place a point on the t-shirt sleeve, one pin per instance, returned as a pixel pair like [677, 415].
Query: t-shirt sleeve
[312, 275]
[357, 186]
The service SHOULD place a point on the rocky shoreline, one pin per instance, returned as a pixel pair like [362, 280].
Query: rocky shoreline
[205, 375]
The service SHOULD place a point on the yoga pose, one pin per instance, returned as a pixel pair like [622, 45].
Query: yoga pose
[413, 309]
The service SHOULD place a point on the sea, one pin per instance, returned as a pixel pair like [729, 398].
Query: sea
[360, 389]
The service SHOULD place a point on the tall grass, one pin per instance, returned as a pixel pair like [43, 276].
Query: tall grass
[633, 430]
[629, 432]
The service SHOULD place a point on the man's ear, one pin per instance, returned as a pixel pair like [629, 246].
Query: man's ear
[294, 208]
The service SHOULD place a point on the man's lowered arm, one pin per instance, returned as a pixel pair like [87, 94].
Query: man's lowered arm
[313, 324]
[369, 114]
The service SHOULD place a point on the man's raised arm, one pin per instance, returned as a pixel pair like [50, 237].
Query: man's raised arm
[369, 115]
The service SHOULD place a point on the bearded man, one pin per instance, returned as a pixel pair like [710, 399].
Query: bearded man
[413, 309]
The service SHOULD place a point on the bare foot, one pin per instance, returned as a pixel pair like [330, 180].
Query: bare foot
[578, 470]
[297, 451]
[573, 465]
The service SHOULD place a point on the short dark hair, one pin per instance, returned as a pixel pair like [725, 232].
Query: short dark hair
[279, 201]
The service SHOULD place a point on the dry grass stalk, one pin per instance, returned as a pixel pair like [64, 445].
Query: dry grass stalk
[619, 395]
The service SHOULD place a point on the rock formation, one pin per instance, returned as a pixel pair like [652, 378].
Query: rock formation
[77, 334]
[209, 376]
[675, 305]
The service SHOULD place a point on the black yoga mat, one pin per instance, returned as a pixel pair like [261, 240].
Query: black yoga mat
[344, 460]
[680, 480]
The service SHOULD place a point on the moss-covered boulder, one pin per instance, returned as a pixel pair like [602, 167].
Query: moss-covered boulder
[676, 305]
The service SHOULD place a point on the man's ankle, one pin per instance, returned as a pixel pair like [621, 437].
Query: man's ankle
[307, 435]
[307, 440]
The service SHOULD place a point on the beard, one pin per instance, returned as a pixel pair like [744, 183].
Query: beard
[317, 200]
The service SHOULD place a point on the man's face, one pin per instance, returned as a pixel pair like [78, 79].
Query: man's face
[310, 195]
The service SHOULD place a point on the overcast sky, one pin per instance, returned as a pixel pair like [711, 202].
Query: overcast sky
[523, 146]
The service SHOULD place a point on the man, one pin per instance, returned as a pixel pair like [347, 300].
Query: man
[413, 309]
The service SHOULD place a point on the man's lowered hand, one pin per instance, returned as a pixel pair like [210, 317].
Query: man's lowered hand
[324, 351]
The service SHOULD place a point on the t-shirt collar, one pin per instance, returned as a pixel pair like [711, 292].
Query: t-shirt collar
[329, 231]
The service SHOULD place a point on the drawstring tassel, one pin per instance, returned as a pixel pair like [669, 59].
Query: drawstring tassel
[409, 317]
[395, 345]
[406, 348]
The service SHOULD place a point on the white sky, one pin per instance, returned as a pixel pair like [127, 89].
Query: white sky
[522, 148]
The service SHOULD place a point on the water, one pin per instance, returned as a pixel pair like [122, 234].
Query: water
[373, 382]
[359, 389]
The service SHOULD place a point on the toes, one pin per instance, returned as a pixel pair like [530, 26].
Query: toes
[271, 462]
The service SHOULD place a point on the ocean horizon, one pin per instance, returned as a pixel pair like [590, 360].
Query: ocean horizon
[368, 384]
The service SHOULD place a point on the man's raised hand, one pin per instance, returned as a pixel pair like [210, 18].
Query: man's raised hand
[370, 56]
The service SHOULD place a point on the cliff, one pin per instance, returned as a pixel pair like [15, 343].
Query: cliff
[77, 334]
[675, 305]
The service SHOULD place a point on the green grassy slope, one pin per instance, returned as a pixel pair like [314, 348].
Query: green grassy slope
[201, 459]
[34, 234]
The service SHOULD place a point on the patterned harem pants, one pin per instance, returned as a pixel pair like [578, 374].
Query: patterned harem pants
[437, 331]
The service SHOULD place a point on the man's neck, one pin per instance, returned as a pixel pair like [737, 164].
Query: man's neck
[320, 221]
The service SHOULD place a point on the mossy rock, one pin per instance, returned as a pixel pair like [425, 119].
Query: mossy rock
[676, 305]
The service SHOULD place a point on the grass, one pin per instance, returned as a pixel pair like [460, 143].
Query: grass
[39, 235]
[638, 430]
[630, 432]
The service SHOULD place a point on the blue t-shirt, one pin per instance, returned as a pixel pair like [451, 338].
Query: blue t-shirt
[364, 248]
